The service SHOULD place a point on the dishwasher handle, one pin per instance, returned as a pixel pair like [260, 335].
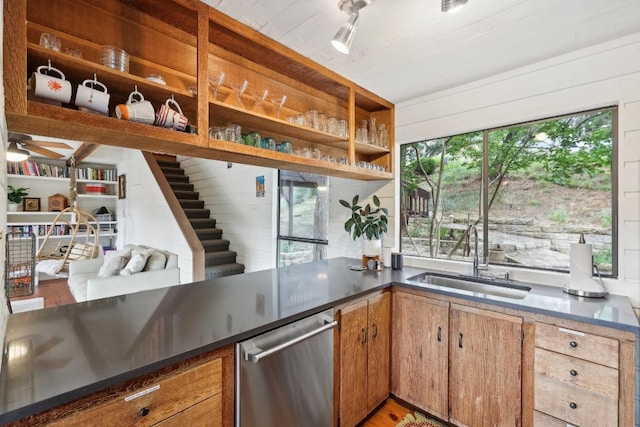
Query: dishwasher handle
[256, 356]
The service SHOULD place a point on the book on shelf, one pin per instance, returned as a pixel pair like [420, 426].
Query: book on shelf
[30, 168]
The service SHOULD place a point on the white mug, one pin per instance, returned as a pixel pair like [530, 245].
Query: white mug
[170, 118]
[93, 95]
[50, 87]
[136, 109]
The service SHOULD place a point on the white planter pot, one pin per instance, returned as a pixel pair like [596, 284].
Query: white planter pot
[372, 248]
[13, 207]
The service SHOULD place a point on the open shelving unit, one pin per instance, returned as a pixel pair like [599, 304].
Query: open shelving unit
[187, 43]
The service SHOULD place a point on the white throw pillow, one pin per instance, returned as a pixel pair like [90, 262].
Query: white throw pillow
[137, 262]
[114, 261]
[157, 261]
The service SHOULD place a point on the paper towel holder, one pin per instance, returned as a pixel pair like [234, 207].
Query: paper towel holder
[588, 294]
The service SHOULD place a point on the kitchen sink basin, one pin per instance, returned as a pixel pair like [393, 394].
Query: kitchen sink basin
[478, 286]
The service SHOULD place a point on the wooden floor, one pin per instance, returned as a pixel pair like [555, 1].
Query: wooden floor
[388, 415]
[55, 292]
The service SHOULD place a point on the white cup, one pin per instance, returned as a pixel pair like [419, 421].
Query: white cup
[93, 95]
[136, 109]
[50, 87]
[170, 118]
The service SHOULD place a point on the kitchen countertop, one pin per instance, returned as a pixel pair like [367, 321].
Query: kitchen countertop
[59, 354]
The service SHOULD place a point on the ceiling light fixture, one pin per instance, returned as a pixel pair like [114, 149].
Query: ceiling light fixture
[452, 6]
[344, 37]
[16, 154]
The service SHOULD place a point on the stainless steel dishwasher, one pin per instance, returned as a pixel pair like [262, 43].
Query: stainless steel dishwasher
[285, 377]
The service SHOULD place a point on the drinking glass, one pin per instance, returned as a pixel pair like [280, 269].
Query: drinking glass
[260, 96]
[279, 103]
[50, 41]
[240, 87]
[216, 82]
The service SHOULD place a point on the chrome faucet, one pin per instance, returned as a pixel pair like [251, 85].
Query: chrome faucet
[476, 261]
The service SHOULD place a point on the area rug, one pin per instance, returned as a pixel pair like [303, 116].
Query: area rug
[416, 419]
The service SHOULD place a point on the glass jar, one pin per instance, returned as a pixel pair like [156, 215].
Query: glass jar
[383, 136]
[373, 137]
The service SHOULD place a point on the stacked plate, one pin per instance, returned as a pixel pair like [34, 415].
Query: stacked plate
[115, 58]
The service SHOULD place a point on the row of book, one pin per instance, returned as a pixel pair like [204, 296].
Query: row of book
[39, 230]
[30, 168]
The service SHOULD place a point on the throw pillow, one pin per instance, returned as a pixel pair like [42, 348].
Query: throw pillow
[157, 261]
[114, 261]
[137, 262]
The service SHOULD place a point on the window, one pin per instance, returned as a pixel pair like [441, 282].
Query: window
[530, 190]
[303, 224]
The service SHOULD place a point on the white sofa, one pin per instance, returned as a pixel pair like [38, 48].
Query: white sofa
[85, 283]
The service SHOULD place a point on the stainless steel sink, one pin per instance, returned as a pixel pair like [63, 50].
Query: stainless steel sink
[478, 286]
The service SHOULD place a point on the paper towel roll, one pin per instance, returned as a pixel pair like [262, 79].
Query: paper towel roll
[581, 268]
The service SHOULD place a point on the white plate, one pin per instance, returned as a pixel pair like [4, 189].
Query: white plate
[157, 79]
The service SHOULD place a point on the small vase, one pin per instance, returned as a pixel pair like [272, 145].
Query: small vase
[371, 253]
[13, 207]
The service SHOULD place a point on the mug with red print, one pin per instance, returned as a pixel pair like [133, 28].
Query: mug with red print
[49, 82]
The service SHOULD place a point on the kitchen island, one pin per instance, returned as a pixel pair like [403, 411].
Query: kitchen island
[68, 352]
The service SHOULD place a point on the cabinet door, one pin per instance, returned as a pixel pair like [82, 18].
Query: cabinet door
[484, 368]
[420, 352]
[353, 364]
[378, 349]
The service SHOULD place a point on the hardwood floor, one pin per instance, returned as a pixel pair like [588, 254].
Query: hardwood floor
[55, 292]
[388, 415]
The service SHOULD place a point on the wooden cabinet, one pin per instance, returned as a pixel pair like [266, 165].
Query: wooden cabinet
[364, 357]
[189, 44]
[577, 378]
[485, 359]
[420, 363]
[198, 391]
[459, 363]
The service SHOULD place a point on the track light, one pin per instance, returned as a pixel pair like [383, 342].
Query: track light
[452, 6]
[15, 154]
[344, 37]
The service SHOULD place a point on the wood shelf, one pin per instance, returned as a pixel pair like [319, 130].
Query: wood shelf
[196, 40]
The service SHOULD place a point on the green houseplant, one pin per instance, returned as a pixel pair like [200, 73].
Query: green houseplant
[368, 222]
[15, 196]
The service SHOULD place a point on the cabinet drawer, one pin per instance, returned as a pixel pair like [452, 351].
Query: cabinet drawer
[541, 419]
[578, 344]
[569, 370]
[161, 399]
[573, 404]
[207, 413]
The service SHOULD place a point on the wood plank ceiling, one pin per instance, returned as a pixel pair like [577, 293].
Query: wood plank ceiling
[408, 48]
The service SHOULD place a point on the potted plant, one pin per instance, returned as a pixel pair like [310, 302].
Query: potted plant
[367, 222]
[15, 196]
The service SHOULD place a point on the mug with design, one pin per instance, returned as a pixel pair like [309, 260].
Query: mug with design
[93, 95]
[51, 87]
[137, 109]
[170, 118]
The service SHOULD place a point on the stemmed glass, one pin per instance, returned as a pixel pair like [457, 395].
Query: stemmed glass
[260, 96]
[215, 83]
[239, 87]
[279, 103]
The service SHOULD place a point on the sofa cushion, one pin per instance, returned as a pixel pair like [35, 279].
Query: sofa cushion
[137, 262]
[114, 262]
[78, 285]
[156, 261]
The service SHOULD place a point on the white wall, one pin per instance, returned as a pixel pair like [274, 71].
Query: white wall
[607, 74]
[144, 216]
[247, 221]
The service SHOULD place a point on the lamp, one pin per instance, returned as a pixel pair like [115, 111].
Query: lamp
[452, 6]
[15, 154]
[344, 37]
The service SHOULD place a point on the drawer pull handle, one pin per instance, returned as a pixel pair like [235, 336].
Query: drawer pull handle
[573, 405]
[439, 334]
[573, 344]
[375, 331]
[144, 412]
[573, 372]
[460, 340]
[364, 336]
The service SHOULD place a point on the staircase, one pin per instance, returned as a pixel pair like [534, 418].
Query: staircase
[219, 260]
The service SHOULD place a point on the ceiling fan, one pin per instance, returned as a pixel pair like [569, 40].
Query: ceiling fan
[20, 143]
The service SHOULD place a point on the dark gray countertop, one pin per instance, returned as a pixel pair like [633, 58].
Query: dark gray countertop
[59, 354]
